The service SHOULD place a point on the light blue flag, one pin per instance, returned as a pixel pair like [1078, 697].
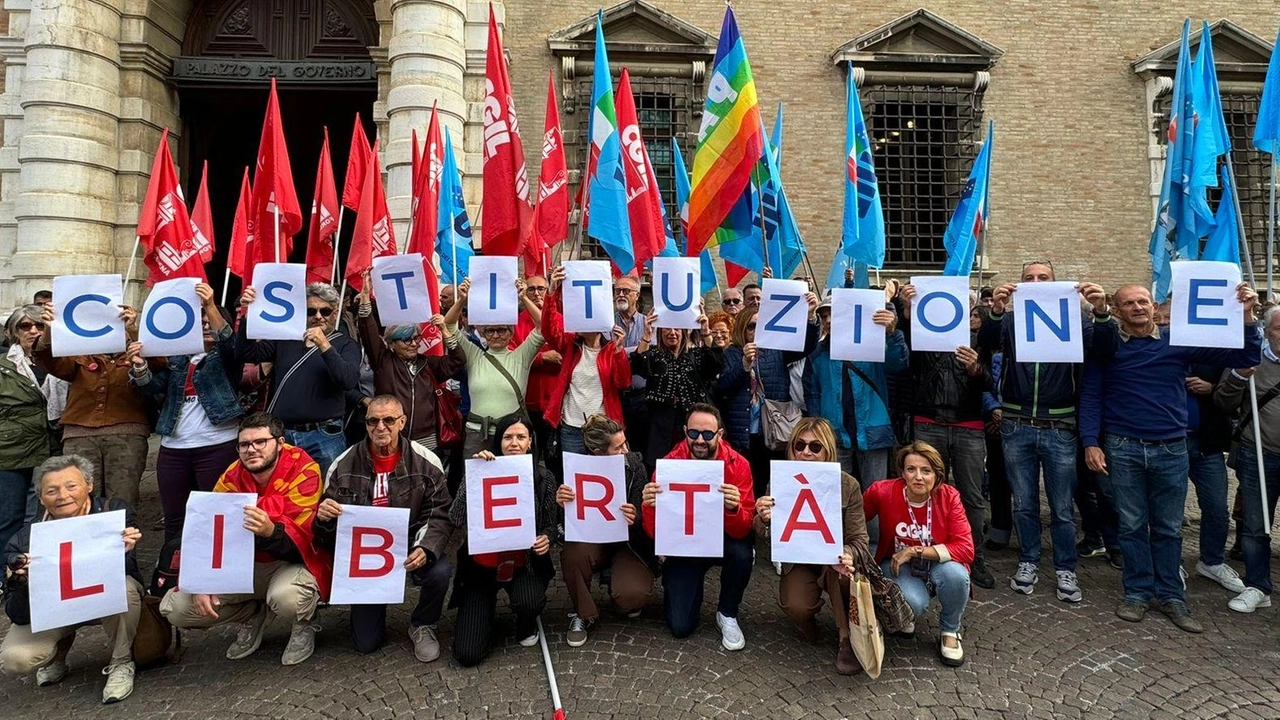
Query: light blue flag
[776, 139]
[863, 230]
[1211, 138]
[1174, 233]
[708, 270]
[1223, 244]
[608, 221]
[453, 233]
[740, 232]
[1267, 135]
[970, 217]
[781, 233]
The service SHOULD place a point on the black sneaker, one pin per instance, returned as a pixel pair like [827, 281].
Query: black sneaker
[1116, 558]
[980, 576]
[1176, 610]
[1132, 610]
[1090, 547]
[994, 545]
[1237, 552]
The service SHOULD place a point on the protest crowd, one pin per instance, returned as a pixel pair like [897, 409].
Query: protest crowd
[326, 445]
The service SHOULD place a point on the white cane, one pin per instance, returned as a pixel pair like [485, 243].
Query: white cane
[551, 672]
[1257, 447]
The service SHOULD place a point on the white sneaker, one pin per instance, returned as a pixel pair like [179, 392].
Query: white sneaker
[529, 641]
[51, 674]
[250, 636]
[302, 642]
[1223, 574]
[119, 682]
[1249, 600]
[777, 567]
[731, 636]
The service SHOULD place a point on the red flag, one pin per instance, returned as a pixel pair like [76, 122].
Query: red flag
[324, 220]
[426, 182]
[374, 236]
[164, 227]
[414, 171]
[734, 273]
[357, 163]
[551, 215]
[202, 218]
[644, 199]
[504, 204]
[239, 259]
[273, 191]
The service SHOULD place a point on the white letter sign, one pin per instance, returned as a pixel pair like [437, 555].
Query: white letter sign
[88, 310]
[217, 549]
[77, 570]
[689, 512]
[1046, 323]
[493, 299]
[400, 284]
[807, 525]
[369, 555]
[940, 314]
[677, 282]
[500, 513]
[854, 335]
[784, 315]
[171, 320]
[279, 312]
[1205, 310]
[587, 296]
[599, 484]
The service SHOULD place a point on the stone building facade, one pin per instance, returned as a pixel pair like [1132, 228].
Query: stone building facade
[1078, 91]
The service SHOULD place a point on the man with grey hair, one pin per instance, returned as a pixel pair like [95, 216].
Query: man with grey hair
[310, 376]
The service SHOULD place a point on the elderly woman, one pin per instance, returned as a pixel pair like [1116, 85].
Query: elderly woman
[65, 485]
[801, 586]
[721, 325]
[24, 428]
[925, 542]
[678, 375]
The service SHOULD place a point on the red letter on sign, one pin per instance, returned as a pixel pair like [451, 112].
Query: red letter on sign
[218, 521]
[67, 585]
[804, 499]
[359, 550]
[689, 489]
[580, 480]
[490, 502]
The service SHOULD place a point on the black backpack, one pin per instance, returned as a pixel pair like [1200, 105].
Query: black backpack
[165, 576]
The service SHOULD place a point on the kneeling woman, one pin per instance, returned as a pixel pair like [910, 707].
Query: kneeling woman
[800, 587]
[925, 542]
[633, 562]
[523, 574]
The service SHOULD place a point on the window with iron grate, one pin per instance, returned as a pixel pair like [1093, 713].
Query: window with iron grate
[924, 139]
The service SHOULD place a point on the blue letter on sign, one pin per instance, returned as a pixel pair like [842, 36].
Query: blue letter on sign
[493, 291]
[688, 293]
[398, 279]
[587, 285]
[772, 325]
[857, 324]
[1062, 332]
[947, 326]
[69, 315]
[1195, 301]
[188, 319]
[268, 292]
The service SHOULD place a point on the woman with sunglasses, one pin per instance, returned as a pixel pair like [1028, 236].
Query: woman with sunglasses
[24, 434]
[523, 574]
[801, 586]
[199, 415]
[925, 543]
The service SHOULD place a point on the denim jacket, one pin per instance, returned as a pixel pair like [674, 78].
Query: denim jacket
[216, 379]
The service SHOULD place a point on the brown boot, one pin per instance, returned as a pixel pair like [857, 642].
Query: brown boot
[846, 661]
[808, 630]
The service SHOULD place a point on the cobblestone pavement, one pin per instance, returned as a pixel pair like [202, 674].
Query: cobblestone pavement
[1028, 656]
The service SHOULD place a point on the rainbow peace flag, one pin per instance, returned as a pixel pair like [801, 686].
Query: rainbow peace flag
[730, 141]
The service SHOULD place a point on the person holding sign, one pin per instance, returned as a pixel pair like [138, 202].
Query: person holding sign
[24, 406]
[64, 486]
[594, 371]
[684, 578]
[311, 375]
[925, 543]
[677, 375]
[390, 470]
[199, 414]
[1133, 425]
[290, 574]
[801, 586]
[632, 563]
[523, 574]
[106, 418]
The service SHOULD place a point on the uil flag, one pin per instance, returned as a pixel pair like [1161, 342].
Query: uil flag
[606, 217]
[453, 236]
[324, 220]
[707, 269]
[373, 236]
[1223, 244]
[644, 199]
[426, 181]
[357, 164]
[237, 255]
[862, 236]
[1211, 138]
[1267, 135]
[505, 200]
[164, 228]
[730, 140]
[202, 218]
[273, 192]
[551, 215]
[961, 237]
[1174, 233]
[782, 239]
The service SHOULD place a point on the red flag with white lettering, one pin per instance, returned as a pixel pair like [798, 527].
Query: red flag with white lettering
[426, 217]
[504, 207]
[374, 236]
[273, 192]
[202, 218]
[239, 259]
[164, 227]
[324, 220]
[551, 215]
[357, 164]
[644, 199]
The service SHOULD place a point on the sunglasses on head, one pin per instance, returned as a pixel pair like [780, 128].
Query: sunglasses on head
[373, 422]
[322, 311]
[28, 325]
[706, 435]
[814, 446]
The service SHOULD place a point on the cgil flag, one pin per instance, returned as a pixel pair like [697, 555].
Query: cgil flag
[970, 217]
[453, 235]
[504, 204]
[238, 260]
[551, 215]
[324, 220]
[1266, 137]
[606, 219]
[164, 227]
[202, 218]
[373, 236]
[708, 270]
[357, 165]
[1174, 234]
[426, 181]
[275, 202]
[644, 200]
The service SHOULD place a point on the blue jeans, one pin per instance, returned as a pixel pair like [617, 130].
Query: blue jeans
[1147, 481]
[324, 445]
[950, 582]
[683, 581]
[571, 440]
[1027, 451]
[14, 485]
[1209, 475]
[1255, 541]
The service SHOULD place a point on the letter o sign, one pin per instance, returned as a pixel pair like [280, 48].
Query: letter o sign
[188, 319]
[957, 312]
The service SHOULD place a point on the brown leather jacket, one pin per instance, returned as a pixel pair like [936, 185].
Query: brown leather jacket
[416, 390]
[100, 394]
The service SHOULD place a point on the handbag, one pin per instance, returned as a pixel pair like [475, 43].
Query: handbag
[448, 418]
[155, 639]
[778, 418]
[891, 607]
[864, 627]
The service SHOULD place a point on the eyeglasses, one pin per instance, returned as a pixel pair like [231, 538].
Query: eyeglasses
[731, 301]
[496, 330]
[706, 435]
[536, 288]
[373, 422]
[24, 326]
[814, 446]
[259, 444]
[322, 312]
[623, 291]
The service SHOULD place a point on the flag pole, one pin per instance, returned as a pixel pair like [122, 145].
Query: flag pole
[337, 245]
[277, 224]
[1271, 230]
[226, 285]
[133, 258]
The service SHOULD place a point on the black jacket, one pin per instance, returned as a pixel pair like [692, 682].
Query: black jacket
[316, 391]
[1214, 431]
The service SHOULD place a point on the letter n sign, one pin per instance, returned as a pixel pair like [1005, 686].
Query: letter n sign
[1047, 323]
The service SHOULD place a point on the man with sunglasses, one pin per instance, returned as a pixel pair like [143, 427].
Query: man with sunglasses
[310, 376]
[627, 315]
[390, 470]
[683, 578]
[731, 301]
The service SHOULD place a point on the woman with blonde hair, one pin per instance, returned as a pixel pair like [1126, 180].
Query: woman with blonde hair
[800, 587]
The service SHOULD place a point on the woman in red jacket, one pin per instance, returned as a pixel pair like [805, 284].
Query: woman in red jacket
[925, 542]
[592, 373]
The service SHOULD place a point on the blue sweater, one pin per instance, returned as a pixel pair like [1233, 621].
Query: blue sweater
[1140, 391]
